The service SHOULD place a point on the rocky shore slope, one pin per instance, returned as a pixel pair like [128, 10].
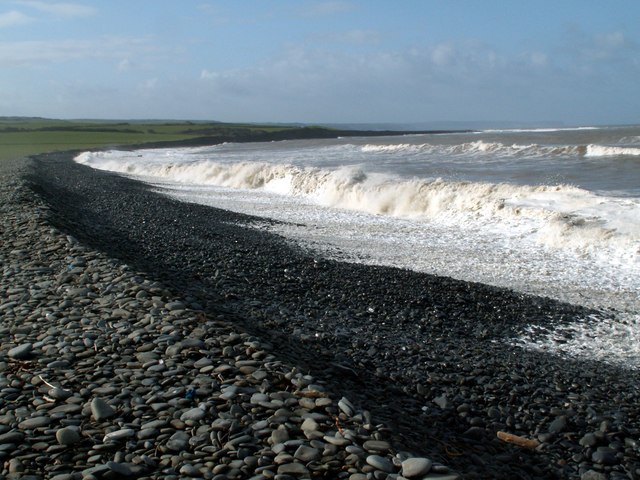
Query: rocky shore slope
[148, 338]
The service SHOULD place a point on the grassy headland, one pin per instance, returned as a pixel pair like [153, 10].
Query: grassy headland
[23, 136]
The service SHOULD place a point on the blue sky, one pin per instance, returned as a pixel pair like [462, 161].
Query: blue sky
[574, 61]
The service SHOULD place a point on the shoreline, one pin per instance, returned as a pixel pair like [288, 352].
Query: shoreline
[425, 354]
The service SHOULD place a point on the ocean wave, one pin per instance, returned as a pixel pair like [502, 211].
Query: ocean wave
[611, 151]
[503, 150]
[478, 147]
[559, 216]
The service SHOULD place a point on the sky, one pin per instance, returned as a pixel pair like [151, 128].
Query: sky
[323, 61]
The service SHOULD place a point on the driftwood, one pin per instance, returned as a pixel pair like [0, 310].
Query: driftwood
[517, 440]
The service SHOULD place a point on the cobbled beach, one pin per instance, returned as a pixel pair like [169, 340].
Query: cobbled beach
[142, 337]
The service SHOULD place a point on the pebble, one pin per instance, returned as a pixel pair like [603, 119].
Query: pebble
[101, 410]
[21, 352]
[34, 422]
[416, 467]
[67, 436]
[381, 463]
[178, 441]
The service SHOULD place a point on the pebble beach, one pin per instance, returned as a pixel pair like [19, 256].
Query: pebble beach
[142, 337]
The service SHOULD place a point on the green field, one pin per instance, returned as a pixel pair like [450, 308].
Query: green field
[22, 136]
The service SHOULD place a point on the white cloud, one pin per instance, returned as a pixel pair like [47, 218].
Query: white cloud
[60, 9]
[330, 7]
[539, 59]
[36, 53]
[124, 65]
[354, 37]
[586, 50]
[14, 18]
[443, 54]
[149, 84]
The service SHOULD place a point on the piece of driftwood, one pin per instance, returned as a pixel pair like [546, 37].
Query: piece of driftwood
[517, 440]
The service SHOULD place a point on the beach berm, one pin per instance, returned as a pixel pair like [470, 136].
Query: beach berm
[143, 337]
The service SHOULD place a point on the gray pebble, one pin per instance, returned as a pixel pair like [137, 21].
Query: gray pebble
[68, 436]
[101, 410]
[381, 463]
[416, 467]
[21, 352]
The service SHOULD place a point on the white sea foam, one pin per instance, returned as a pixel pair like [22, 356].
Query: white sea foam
[478, 147]
[611, 151]
[538, 130]
[557, 216]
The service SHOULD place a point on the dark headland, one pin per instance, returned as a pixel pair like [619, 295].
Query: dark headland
[427, 356]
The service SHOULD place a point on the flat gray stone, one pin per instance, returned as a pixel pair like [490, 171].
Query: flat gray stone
[558, 425]
[101, 410]
[34, 422]
[307, 454]
[121, 469]
[381, 463]
[68, 436]
[58, 393]
[346, 406]
[21, 352]
[178, 441]
[593, 475]
[11, 437]
[442, 401]
[119, 435]
[292, 469]
[376, 446]
[416, 467]
[193, 415]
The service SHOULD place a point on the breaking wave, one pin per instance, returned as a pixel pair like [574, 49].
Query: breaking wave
[605, 151]
[561, 216]
[503, 150]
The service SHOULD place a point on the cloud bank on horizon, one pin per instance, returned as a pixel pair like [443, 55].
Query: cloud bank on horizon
[364, 61]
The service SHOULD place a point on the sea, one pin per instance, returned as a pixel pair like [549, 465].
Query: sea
[553, 212]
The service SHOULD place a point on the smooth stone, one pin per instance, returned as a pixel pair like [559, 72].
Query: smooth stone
[589, 440]
[173, 306]
[68, 436]
[309, 424]
[34, 422]
[190, 471]
[21, 352]
[11, 437]
[346, 406]
[337, 441]
[376, 446]
[178, 441]
[279, 435]
[58, 393]
[258, 398]
[193, 415]
[416, 467]
[66, 408]
[604, 456]
[381, 463]
[119, 468]
[307, 454]
[292, 469]
[101, 410]
[119, 435]
[593, 475]
[558, 425]
[442, 402]
[62, 476]
[147, 433]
